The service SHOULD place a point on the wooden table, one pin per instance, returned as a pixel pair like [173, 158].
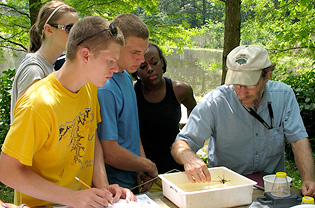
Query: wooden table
[164, 202]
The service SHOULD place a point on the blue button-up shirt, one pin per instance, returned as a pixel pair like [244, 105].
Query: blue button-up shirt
[237, 139]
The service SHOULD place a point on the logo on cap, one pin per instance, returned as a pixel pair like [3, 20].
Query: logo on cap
[241, 60]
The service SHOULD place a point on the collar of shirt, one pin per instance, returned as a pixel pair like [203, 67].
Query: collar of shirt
[265, 100]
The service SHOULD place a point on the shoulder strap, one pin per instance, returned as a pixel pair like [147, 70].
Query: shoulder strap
[253, 113]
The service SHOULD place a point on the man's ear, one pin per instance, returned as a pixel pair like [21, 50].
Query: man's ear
[85, 55]
[268, 75]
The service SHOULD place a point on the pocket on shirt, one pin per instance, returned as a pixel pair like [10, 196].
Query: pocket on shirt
[275, 140]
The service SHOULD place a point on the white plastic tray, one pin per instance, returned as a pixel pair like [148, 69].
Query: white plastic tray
[238, 191]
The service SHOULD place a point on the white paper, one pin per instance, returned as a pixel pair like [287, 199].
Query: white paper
[143, 201]
[258, 205]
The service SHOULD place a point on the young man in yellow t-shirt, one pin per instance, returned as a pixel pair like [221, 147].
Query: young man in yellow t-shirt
[53, 138]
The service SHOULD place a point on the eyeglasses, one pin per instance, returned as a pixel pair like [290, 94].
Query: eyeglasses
[112, 29]
[247, 87]
[66, 28]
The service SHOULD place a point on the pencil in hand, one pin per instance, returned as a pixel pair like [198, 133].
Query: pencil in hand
[87, 186]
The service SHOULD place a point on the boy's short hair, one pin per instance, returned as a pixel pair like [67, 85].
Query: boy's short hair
[86, 33]
[131, 26]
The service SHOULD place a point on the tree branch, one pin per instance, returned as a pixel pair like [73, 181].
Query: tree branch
[198, 8]
[14, 9]
[97, 4]
[14, 43]
[14, 49]
[289, 49]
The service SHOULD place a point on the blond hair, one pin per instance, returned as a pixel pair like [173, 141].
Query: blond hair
[132, 26]
[85, 33]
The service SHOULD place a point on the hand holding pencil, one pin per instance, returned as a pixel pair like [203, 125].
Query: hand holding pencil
[87, 186]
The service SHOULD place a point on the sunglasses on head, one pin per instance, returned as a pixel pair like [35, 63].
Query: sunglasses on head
[112, 29]
[66, 28]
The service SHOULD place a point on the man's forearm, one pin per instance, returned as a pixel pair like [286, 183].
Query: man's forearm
[142, 153]
[181, 152]
[304, 159]
[196, 170]
[121, 158]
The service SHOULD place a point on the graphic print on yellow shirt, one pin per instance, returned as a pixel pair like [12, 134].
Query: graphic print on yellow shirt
[74, 129]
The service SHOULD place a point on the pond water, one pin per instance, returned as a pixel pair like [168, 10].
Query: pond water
[200, 68]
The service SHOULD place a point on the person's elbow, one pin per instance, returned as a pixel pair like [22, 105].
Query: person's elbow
[10, 169]
[174, 147]
[177, 148]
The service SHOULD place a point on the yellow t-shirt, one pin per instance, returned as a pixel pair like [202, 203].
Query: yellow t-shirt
[53, 134]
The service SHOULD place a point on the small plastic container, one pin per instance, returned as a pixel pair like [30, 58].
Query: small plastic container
[307, 200]
[269, 179]
[280, 187]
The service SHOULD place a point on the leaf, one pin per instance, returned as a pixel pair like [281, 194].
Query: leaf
[307, 100]
[307, 107]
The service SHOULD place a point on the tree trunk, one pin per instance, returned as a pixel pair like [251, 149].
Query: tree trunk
[232, 31]
[35, 6]
[204, 12]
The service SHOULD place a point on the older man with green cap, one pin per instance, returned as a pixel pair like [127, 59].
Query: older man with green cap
[248, 121]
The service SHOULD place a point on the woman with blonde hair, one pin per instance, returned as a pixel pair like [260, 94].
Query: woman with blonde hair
[48, 38]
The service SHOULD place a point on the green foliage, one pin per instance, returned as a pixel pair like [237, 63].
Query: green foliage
[15, 20]
[210, 35]
[6, 194]
[14, 25]
[194, 12]
[295, 30]
[293, 172]
[6, 80]
[109, 9]
[284, 27]
[164, 33]
[203, 154]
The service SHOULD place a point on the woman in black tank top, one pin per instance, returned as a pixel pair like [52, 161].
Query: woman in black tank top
[159, 99]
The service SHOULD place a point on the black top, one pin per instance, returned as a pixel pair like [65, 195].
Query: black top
[60, 61]
[159, 125]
